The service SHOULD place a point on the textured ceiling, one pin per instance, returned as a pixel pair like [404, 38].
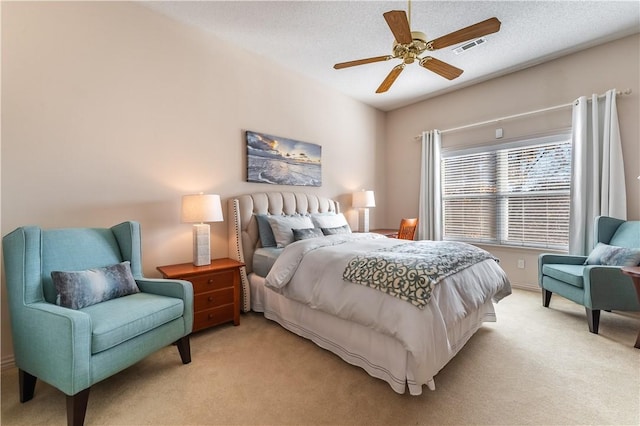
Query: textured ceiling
[309, 37]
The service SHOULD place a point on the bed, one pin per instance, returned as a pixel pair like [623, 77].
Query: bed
[401, 338]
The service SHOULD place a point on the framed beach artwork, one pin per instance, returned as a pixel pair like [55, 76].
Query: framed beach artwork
[282, 161]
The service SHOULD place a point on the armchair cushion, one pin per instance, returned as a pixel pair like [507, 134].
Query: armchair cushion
[79, 289]
[118, 320]
[570, 274]
[604, 254]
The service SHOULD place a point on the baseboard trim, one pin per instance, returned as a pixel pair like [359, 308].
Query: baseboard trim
[8, 362]
[526, 286]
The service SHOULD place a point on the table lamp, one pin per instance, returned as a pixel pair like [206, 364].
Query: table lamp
[198, 209]
[363, 200]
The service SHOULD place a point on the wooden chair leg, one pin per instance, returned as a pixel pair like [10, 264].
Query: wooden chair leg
[27, 384]
[546, 297]
[593, 318]
[77, 408]
[184, 348]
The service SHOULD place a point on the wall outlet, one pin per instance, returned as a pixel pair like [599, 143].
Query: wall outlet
[520, 263]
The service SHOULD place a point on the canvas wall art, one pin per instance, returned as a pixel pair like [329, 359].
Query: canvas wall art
[282, 161]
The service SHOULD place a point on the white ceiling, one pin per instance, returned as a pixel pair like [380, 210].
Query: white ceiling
[309, 37]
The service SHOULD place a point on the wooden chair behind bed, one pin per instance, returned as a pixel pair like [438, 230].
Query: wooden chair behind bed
[407, 229]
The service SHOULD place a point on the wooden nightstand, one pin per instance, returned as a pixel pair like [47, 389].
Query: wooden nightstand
[216, 290]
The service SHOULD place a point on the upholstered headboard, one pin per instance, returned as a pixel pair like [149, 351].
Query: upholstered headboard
[243, 226]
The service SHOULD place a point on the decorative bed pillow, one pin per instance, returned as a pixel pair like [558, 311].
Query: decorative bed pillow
[303, 234]
[329, 220]
[344, 229]
[604, 254]
[283, 226]
[79, 289]
[264, 229]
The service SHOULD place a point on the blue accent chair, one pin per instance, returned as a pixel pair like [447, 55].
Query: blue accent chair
[596, 287]
[74, 349]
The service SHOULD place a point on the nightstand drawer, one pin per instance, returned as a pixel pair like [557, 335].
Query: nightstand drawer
[216, 290]
[212, 299]
[212, 281]
[213, 316]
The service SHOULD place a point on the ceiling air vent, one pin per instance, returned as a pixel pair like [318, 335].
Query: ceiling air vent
[467, 46]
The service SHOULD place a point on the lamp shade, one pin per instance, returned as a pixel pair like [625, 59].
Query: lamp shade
[363, 199]
[200, 208]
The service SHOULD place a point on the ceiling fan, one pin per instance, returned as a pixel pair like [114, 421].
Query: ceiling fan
[408, 45]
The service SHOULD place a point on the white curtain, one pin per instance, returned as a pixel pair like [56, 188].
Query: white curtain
[597, 186]
[430, 208]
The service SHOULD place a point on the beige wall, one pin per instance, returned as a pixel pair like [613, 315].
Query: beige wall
[111, 112]
[613, 65]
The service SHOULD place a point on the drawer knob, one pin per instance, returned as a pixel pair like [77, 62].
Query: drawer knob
[210, 299]
[210, 281]
[210, 316]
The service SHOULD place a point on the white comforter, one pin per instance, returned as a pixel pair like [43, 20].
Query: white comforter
[310, 272]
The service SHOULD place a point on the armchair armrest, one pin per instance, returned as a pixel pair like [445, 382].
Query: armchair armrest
[607, 287]
[55, 345]
[180, 289]
[566, 259]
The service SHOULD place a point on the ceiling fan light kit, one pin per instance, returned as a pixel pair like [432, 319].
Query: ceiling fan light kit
[409, 45]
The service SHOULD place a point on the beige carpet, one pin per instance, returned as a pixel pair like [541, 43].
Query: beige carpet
[534, 366]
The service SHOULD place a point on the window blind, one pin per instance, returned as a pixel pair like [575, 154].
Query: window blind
[516, 194]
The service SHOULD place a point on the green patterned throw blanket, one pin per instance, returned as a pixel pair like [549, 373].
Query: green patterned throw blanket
[410, 271]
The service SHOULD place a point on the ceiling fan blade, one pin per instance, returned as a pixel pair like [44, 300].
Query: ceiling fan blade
[480, 29]
[386, 84]
[441, 68]
[362, 62]
[399, 25]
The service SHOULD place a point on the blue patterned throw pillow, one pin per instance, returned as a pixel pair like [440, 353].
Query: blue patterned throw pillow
[604, 254]
[79, 289]
[344, 229]
[303, 234]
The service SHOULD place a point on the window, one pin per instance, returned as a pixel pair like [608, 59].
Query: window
[512, 194]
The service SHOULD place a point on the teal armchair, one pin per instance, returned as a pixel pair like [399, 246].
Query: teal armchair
[595, 286]
[72, 349]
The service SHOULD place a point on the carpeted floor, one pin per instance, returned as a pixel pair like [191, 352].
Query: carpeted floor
[534, 366]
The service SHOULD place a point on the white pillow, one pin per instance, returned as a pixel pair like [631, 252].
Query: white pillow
[329, 220]
[283, 226]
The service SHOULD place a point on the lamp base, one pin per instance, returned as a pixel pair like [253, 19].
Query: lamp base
[201, 244]
[363, 220]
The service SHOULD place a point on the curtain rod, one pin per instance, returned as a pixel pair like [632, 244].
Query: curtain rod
[509, 117]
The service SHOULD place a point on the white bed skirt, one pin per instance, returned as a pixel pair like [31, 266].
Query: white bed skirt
[380, 355]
